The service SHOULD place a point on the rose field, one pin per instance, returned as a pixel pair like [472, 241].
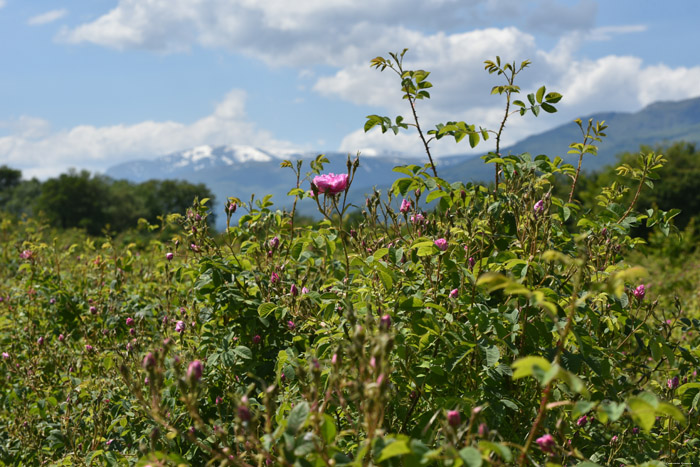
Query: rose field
[540, 319]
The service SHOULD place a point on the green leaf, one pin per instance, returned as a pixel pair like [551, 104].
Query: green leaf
[243, 352]
[297, 418]
[540, 94]
[642, 412]
[471, 456]
[609, 410]
[435, 195]
[498, 448]
[581, 408]
[266, 308]
[526, 366]
[397, 448]
[328, 429]
[672, 411]
[548, 108]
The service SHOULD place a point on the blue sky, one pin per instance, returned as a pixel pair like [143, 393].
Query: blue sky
[91, 83]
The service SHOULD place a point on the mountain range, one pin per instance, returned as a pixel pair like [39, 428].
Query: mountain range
[242, 170]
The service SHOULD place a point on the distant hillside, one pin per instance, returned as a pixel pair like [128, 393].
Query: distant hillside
[660, 122]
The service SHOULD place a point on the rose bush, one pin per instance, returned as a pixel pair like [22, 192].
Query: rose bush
[473, 325]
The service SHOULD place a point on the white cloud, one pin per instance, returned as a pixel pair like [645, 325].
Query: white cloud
[307, 32]
[48, 17]
[2, 3]
[606, 33]
[38, 151]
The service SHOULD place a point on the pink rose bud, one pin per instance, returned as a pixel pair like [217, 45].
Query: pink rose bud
[149, 361]
[291, 325]
[40, 341]
[538, 207]
[274, 242]
[60, 338]
[405, 206]
[88, 347]
[129, 321]
[304, 290]
[274, 277]
[93, 310]
[417, 218]
[180, 326]
[169, 256]
[385, 322]
[673, 382]
[294, 290]
[582, 421]
[639, 292]
[454, 293]
[483, 430]
[194, 371]
[453, 418]
[244, 413]
[257, 339]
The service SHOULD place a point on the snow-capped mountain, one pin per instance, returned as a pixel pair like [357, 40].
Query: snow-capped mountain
[200, 158]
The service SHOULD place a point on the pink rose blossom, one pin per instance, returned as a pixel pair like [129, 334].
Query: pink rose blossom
[331, 183]
[441, 243]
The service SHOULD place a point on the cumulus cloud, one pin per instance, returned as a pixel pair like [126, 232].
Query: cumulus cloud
[48, 17]
[305, 32]
[40, 151]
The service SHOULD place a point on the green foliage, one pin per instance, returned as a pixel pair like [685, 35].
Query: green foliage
[502, 326]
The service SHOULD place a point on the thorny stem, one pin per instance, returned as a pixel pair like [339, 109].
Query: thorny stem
[503, 125]
[420, 133]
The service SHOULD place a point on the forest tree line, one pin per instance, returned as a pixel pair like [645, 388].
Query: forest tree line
[79, 199]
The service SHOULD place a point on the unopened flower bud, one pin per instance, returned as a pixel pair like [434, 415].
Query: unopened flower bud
[194, 371]
[385, 322]
[453, 418]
